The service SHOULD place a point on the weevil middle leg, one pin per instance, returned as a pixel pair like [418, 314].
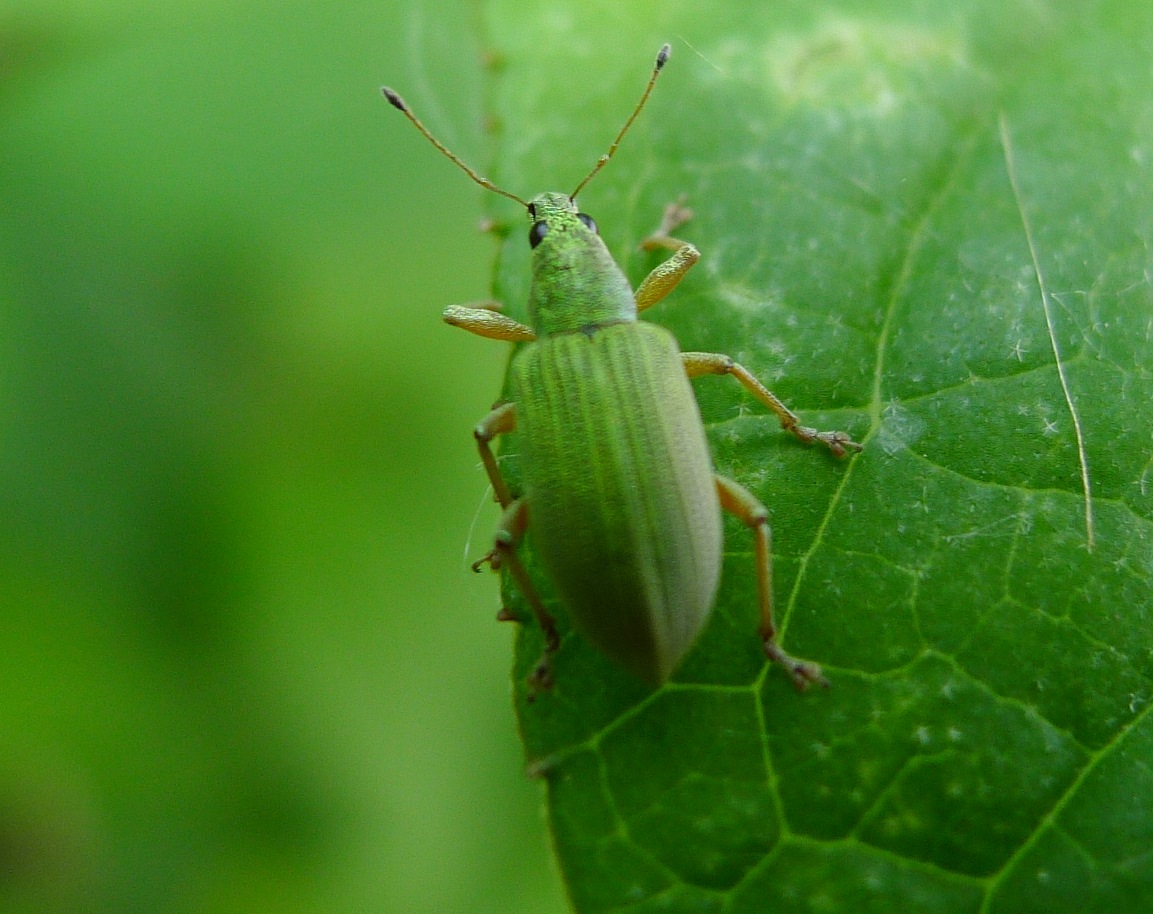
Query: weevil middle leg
[664, 278]
[743, 505]
[502, 419]
[702, 363]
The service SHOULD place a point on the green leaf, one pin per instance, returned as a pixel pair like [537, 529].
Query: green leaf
[930, 226]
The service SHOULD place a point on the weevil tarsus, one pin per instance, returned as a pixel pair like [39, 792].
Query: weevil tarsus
[673, 216]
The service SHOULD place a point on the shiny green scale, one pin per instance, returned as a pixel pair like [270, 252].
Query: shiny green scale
[619, 487]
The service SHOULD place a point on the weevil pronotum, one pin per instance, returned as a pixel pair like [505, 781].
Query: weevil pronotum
[619, 487]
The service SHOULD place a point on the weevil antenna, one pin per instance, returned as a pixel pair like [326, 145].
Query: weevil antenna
[662, 57]
[400, 105]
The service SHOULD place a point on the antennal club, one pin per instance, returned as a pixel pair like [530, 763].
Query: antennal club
[400, 105]
[662, 57]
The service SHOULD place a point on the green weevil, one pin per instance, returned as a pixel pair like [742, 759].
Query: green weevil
[618, 483]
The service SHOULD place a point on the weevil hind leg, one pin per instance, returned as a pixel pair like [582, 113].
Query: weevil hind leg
[702, 363]
[664, 278]
[509, 535]
[743, 505]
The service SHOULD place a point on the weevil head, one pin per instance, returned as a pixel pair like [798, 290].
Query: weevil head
[576, 284]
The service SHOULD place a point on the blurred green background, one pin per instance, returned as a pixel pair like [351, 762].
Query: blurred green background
[244, 666]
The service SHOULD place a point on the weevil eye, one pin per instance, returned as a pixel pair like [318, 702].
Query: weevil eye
[589, 221]
[537, 232]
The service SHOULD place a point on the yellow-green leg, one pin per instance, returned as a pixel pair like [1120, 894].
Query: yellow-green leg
[485, 320]
[502, 419]
[662, 280]
[702, 363]
[743, 505]
[488, 322]
[509, 534]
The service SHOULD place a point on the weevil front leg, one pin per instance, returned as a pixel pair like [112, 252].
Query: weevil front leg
[664, 278]
[509, 535]
[702, 363]
[488, 322]
[743, 505]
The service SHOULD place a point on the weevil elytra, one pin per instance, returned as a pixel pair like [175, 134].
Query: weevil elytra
[619, 486]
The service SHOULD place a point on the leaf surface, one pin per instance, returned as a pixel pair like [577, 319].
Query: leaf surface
[930, 227]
